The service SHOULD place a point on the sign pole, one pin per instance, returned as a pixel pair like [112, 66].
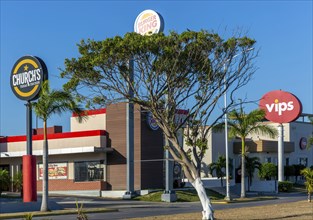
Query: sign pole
[147, 22]
[33, 71]
[130, 137]
[280, 152]
[29, 148]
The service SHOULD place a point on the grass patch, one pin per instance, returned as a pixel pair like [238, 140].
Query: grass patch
[261, 198]
[182, 196]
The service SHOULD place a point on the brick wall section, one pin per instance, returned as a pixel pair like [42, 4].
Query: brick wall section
[69, 184]
[116, 128]
[116, 161]
[50, 130]
[137, 147]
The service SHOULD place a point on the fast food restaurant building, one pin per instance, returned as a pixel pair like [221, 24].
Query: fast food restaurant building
[92, 156]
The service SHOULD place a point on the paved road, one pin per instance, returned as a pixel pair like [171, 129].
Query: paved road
[132, 209]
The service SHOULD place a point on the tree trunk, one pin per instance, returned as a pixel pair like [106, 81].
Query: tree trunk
[44, 201]
[243, 187]
[309, 197]
[207, 213]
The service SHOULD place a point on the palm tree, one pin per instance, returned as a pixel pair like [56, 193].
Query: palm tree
[51, 102]
[308, 175]
[252, 163]
[242, 124]
[219, 167]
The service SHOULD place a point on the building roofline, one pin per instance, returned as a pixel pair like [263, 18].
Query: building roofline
[92, 112]
[74, 134]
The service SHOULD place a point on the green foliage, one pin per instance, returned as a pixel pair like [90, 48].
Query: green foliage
[28, 216]
[219, 168]
[170, 72]
[267, 171]
[18, 181]
[308, 175]
[54, 102]
[241, 125]
[252, 163]
[4, 180]
[285, 186]
[182, 196]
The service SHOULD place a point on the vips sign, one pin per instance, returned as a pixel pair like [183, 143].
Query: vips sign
[148, 22]
[27, 75]
[280, 106]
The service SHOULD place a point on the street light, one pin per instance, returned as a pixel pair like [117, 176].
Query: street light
[228, 198]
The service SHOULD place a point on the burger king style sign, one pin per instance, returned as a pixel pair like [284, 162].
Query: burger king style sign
[148, 22]
[280, 106]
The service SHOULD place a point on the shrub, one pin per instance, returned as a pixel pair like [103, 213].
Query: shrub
[4, 180]
[308, 175]
[18, 181]
[285, 186]
[267, 171]
[28, 216]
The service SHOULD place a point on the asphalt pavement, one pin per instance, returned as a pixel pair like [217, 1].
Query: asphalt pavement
[126, 209]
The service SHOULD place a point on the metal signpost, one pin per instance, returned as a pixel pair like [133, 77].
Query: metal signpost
[27, 76]
[130, 193]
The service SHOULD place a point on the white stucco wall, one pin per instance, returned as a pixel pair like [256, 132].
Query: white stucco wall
[92, 122]
[97, 141]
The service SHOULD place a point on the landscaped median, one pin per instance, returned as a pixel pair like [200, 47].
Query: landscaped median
[191, 196]
[55, 212]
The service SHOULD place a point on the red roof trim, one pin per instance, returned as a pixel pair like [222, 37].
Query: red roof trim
[75, 134]
[92, 112]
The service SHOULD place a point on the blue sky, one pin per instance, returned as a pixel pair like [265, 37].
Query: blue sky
[51, 30]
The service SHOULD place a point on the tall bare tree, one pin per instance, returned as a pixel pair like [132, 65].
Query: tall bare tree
[189, 71]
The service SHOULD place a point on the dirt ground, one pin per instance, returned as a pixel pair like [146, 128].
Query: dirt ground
[302, 210]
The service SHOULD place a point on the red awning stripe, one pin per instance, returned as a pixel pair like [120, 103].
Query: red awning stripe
[76, 134]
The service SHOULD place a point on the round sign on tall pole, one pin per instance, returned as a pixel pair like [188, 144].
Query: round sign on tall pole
[27, 76]
[280, 107]
[147, 22]
[150, 22]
